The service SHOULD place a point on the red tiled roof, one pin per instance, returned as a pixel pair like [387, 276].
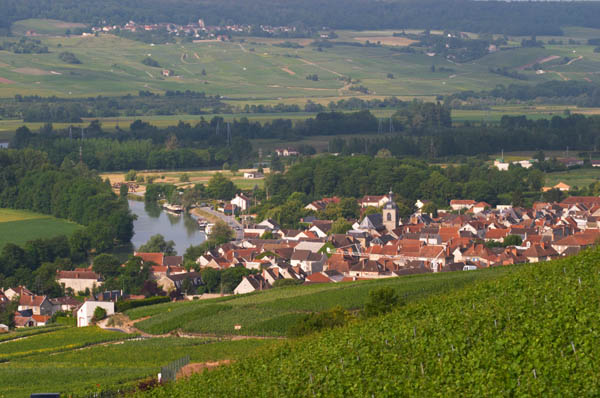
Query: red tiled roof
[77, 275]
[156, 258]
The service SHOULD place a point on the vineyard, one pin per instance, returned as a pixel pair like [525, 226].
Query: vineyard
[271, 313]
[531, 332]
[78, 372]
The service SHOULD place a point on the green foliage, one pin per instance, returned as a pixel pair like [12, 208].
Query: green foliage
[380, 301]
[106, 265]
[69, 58]
[286, 283]
[221, 233]
[340, 226]
[513, 240]
[131, 175]
[273, 312]
[99, 314]
[157, 244]
[149, 61]
[530, 332]
[220, 187]
[316, 322]
[125, 305]
[185, 177]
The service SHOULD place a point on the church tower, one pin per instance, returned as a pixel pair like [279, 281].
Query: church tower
[390, 213]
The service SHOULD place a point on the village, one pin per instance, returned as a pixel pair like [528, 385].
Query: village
[468, 236]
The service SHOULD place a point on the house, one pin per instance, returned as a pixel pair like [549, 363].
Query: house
[419, 204]
[537, 253]
[251, 283]
[322, 204]
[85, 313]
[28, 320]
[241, 201]
[229, 209]
[561, 186]
[11, 293]
[155, 258]
[65, 303]
[167, 72]
[169, 283]
[253, 175]
[285, 152]
[79, 280]
[480, 207]
[373, 201]
[3, 328]
[462, 204]
[371, 222]
[308, 261]
[39, 305]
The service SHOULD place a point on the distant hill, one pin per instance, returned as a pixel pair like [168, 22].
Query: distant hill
[516, 18]
[532, 332]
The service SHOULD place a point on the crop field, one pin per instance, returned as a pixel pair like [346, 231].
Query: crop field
[44, 26]
[106, 366]
[575, 178]
[271, 313]
[531, 332]
[195, 176]
[256, 70]
[18, 226]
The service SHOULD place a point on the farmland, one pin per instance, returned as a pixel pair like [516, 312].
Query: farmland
[18, 226]
[195, 177]
[104, 366]
[530, 332]
[575, 178]
[271, 313]
[253, 69]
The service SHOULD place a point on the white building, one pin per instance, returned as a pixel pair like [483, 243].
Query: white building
[241, 201]
[86, 312]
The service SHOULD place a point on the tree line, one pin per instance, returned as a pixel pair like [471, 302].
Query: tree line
[514, 18]
[28, 180]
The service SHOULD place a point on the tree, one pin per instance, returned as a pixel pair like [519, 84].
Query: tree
[221, 187]
[221, 233]
[211, 278]
[340, 226]
[185, 177]
[131, 175]
[380, 301]
[106, 265]
[512, 240]
[430, 208]
[157, 244]
[123, 190]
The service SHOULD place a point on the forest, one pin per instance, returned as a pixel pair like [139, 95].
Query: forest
[28, 180]
[515, 18]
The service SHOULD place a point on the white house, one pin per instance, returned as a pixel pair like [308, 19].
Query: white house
[86, 312]
[78, 280]
[241, 201]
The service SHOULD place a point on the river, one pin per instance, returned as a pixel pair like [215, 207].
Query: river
[152, 220]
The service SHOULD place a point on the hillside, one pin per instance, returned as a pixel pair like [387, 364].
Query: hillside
[272, 312]
[259, 69]
[532, 332]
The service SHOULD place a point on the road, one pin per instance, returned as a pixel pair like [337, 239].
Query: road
[232, 222]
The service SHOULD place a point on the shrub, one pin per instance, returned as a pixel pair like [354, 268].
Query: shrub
[69, 58]
[381, 300]
[99, 314]
[315, 322]
[129, 304]
[148, 61]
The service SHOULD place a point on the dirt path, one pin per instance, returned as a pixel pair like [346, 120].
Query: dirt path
[539, 61]
[196, 55]
[242, 47]
[288, 71]
[149, 74]
[183, 57]
[561, 75]
[199, 367]
[320, 67]
[575, 59]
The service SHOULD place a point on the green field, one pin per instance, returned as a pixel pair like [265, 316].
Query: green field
[44, 27]
[65, 367]
[272, 312]
[531, 332]
[575, 178]
[256, 70]
[19, 227]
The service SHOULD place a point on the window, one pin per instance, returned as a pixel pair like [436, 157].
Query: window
[389, 216]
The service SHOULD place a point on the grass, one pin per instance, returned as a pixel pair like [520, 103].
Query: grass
[109, 366]
[257, 71]
[272, 312]
[44, 26]
[19, 227]
[575, 178]
[531, 332]
[195, 176]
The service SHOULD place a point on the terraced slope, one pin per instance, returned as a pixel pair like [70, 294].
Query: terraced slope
[532, 332]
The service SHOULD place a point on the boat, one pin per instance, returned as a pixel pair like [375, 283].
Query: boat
[173, 208]
[209, 228]
[202, 224]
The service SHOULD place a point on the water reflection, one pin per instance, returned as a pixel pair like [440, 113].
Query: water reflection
[152, 220]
